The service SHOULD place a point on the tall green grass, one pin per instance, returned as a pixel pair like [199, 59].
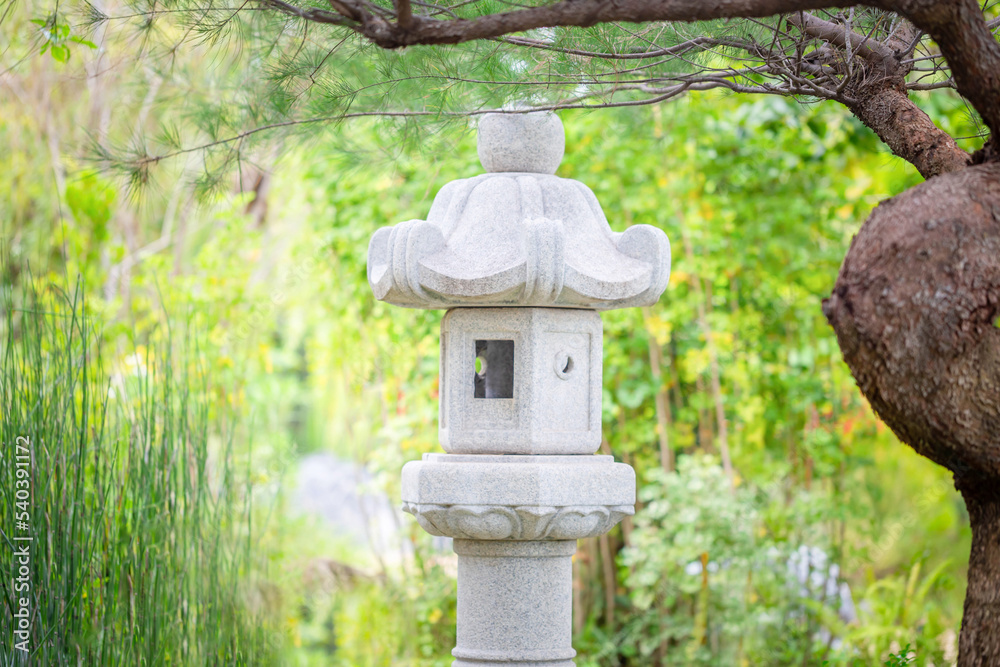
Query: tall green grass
[142, 550]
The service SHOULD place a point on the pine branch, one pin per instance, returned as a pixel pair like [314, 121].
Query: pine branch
[840, 37]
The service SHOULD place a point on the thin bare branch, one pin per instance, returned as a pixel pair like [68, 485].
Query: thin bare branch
[949, 83]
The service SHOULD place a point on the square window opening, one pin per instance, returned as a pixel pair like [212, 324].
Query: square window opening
[494, 369]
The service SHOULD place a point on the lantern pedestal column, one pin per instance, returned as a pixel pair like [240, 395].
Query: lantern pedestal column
[515, 603]
[516, 520]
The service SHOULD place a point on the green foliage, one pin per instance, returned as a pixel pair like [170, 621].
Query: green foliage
[904, 657]
[420, 614]
[760, 198]
[710, 574]
[57, 37]
[236, 81]
[723, 577]
[138, 513]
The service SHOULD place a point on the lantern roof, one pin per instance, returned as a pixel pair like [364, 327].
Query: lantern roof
[518, 235]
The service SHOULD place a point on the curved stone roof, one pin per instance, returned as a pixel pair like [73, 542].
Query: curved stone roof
[518, 236]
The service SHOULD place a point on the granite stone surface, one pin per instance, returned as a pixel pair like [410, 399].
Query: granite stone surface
[518, 497]
[532, 142]
[448, 479]
[555, 403]
[515, 602]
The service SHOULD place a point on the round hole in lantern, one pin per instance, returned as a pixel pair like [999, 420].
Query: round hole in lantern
[563, 365]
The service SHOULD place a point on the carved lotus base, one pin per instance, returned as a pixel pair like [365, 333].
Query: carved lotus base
[499, 522]
[483, 497]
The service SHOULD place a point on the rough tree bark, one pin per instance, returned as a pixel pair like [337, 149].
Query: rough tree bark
[915, 309]
[979, 644]
[971, 50]
[877, 95]
[907, 130]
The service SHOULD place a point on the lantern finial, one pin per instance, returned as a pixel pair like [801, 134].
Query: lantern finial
[521, 142]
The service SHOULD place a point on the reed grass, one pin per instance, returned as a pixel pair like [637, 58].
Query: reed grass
[142, 550]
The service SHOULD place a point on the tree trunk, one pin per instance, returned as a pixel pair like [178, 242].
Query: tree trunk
[972, 52]
[662, 399]
[914, 309]
[979, 644]
[908, 131]
[610, 583]
[704, 298]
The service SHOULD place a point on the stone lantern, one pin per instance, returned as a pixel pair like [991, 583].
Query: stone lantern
[522, 260]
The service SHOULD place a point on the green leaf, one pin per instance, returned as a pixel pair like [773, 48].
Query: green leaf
[84, 42]
[60, 52]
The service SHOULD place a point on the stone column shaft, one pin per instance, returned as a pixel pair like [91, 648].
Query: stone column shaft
[515, 602]
[516, 520]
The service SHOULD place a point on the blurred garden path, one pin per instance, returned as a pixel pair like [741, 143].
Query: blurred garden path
[347, 498]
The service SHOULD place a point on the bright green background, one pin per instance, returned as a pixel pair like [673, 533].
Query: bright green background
[760, 198]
